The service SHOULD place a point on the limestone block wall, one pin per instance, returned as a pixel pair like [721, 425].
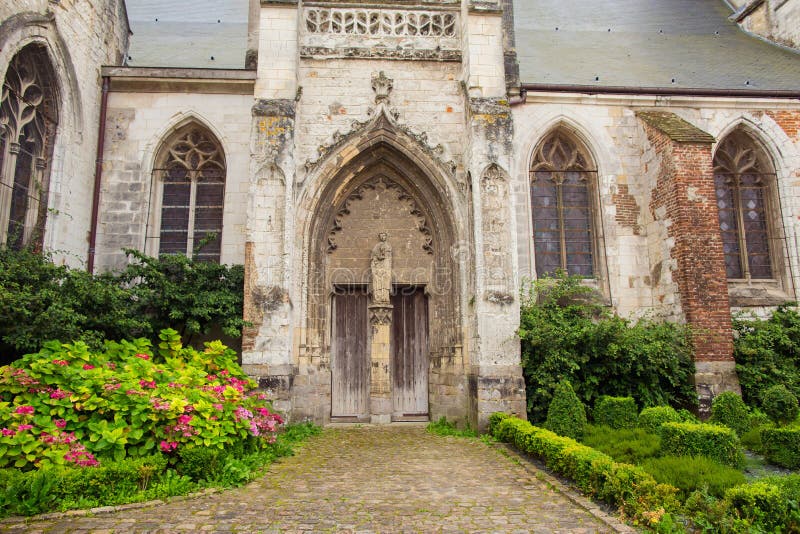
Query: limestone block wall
[640, 264]
[776, 20]
[80, 37]
[137, 123]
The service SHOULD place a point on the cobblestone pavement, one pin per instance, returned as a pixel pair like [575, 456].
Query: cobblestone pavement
[371, 479]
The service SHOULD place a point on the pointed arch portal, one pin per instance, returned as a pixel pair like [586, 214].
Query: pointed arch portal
[381, 353]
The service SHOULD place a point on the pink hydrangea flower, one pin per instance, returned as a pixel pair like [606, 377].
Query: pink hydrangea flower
[59, 394]
[218, 407]
[188, 408]
[168, 446]
[88, 367]
[8, 432]
[211, 378]
[60, 423]
[142, 356]
[23, 428]
[111, 365]
[61, 362]
[148, 384]
[24, 410]
[112, 387]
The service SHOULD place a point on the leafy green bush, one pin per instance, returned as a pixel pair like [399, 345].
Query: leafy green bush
[780, 404]
[687, 416]
[68, 405]
[616, 412]
[566, 415]
[624, 445]
[688, 439]
[767, 353]
[566, 335]
[652, 418]
[690, 473]
[728, 409]
[781, 446]
[630, 488]
[759, 503]
[40, 301]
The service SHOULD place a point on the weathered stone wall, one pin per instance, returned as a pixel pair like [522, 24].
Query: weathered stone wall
[80, 37]
[136, 126]
[776, 20]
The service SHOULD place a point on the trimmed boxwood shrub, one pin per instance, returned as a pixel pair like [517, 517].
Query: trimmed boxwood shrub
[781, 446]
[630, 488]
[688, 439]
[780, 404]
[566, 415]
[652, 418]
[760, 503]
[616, 412]
[728, 409]
[694, 473]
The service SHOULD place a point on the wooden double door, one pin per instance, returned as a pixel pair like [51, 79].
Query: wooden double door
[350, 358]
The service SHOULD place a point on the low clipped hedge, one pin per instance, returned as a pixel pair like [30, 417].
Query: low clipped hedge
[781, 446]
[689, 439]
[760, 503]
[616, 412]
[625, 486]
[728, 409]
[651, 419]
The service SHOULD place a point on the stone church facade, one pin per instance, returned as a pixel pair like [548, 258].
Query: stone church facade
[391, 174]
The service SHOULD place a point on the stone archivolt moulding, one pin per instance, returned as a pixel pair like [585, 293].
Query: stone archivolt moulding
[402, 196]
[390, 33]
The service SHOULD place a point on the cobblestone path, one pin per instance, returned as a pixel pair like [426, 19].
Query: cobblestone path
[372, 479]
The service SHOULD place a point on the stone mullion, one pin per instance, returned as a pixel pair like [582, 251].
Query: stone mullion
[7, 185]
[193, 176]
[742, 238]
[32, 210]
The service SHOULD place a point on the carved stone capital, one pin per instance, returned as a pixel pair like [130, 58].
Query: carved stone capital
[280, 107]
[380, 314]
[382, 85]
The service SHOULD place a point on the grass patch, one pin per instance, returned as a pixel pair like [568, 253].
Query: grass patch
[627, 445]
[690, 473]
[443, 427]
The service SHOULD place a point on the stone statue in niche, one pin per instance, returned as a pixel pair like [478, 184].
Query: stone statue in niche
[381, 270]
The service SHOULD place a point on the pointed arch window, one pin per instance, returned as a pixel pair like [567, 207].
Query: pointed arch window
[28, 122]
[191, 175]
[562, 183]
[743, 177]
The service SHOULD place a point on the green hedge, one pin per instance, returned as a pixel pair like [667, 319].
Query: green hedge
[616, 412]
[781, 446]
[760, 503]
[566, 415]
[652, 418]
[630, 488]
[728, 409]
[716, 442]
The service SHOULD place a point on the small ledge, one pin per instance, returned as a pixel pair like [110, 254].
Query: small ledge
[675, 127]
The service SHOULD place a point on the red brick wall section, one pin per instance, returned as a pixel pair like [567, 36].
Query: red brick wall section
[789, 121]
[627, 208]
[685, 188]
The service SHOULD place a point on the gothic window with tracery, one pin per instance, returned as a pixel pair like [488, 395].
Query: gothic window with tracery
[562, 181]
[28, 120]
[191, 175]
[743, 177]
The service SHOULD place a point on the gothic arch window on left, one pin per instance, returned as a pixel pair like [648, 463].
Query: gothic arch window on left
[745, 187]
[28, 122]
[190, 176]
[563, 181]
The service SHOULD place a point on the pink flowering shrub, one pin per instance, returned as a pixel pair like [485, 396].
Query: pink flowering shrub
[67, 405]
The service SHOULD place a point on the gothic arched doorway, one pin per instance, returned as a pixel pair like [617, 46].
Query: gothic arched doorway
[383, 287]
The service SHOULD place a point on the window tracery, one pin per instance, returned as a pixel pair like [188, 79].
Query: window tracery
[28, 121]
[562, 180]
[743, 178]
[192, 181]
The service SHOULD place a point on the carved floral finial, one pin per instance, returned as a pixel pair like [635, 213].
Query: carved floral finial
[382, 85]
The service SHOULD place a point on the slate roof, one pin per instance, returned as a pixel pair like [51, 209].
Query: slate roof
[186, 34]
[646, 43]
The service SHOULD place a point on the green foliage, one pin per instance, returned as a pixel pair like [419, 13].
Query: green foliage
[566, 415]
[652, 418]
[759, 503]
[566, 336]
[781, 446]
[780, 404]
[624, 445]
[690, 473]
[716, 442]
[40, 301]
[200, 463]
[443, 427]
[69, 405]
[616, 412]
[629, 488]
[728, 409]
[767, 353]
[687, 416]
